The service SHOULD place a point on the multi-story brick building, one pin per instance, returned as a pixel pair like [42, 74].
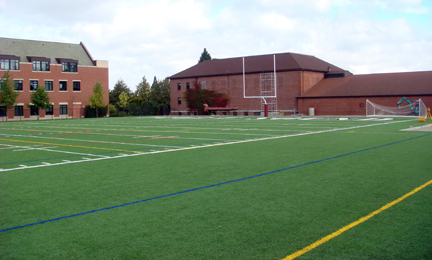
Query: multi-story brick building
[245, 80]
[67, 71]
[303, 84]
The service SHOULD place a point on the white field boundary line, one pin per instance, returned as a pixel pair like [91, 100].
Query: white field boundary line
[16, 147]
[181, 132]
[191, 130]
[60, 151]
[22, 167]
[27, 148]
[122, 135]
[91, 141]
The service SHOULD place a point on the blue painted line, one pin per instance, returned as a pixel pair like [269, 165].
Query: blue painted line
[211, 186]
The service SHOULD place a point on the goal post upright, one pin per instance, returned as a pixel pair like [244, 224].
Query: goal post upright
[263, 97]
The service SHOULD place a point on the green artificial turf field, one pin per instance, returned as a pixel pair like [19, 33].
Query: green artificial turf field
[215, 188]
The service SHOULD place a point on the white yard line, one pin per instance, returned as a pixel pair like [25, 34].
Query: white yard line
[60, 151]
[91, 141]
[26, 148]
[194, 147]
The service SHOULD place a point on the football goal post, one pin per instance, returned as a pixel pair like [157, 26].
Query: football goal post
[415, 109]
[268, 90]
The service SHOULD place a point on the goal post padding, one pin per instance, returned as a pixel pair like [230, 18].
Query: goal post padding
[373, 109]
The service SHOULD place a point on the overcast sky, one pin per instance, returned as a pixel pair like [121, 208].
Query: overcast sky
[160, 38]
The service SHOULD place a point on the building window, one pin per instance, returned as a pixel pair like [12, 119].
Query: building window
[203, 85]
[63, 109]
[34, 111]
[49, 110]
[14, 65]
[179, 101]
[7, 64]
[18, 110]
[18, 85]
[3, 111]
[76, 86]
[63, 86]
[234, 113]
[187, 85]
[178, 86]
[48, 85]
[41, 65]
[69, 66]
[33, 84]
[246, 113]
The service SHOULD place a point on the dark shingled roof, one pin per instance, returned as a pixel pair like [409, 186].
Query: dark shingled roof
[384, 84]
[50, 50]
[258, 64]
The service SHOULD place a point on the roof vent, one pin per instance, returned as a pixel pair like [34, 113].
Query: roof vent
[329, 68]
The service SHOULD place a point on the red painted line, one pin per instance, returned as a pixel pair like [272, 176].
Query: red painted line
[60, 136]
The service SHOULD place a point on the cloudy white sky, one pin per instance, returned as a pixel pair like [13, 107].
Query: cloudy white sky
[160, 38]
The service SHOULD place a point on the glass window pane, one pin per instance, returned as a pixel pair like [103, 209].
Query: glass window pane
[33, 84]
[6, 65]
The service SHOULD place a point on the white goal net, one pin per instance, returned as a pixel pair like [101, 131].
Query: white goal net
[416, 109]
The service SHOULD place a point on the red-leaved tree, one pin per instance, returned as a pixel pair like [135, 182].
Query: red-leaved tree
[196, 98]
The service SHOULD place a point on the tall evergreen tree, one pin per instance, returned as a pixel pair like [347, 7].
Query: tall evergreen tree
[160, 94]
[204, 56]
[142, 92]
[119, 88]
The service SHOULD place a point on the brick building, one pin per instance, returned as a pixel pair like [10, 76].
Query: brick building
[347, 96]
[295, 74]
[302, 82]
[67, 71]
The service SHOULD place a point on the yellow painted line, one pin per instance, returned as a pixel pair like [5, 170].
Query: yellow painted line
[70, 145]
[363, 219]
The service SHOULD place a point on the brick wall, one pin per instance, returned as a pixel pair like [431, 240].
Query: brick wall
[350, 105]
[289, 85]
[87, 76]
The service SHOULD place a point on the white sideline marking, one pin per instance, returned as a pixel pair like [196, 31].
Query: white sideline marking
[196, 147]
[55, 151]
[93, 141]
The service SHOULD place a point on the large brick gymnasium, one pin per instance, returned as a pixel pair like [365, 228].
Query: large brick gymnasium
[303, 84]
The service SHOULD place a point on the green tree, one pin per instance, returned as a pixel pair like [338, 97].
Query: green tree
[96, 101]
[142, 92]
[160, 95]
[119, 88]
[123, 100]
[39, 99]
[7, 94]
[204, 56]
